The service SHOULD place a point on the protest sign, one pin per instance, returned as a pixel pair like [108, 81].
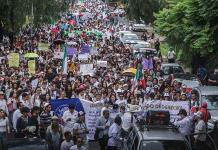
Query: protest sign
[86, 69]
[102, 63]
[85, 49]
[59, 55]
[71, 51]
[43, 46]
[171, 106]
[14, 59]
[32, 66]
[83, 56]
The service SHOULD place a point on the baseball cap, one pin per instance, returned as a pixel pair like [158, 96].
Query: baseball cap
[1, 93]
[46, 104]
[54, 118]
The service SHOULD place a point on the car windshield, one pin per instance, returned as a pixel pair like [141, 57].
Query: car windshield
[130, 37]
[172, 69]
[212, 101]
[137, 46]
[164, 145]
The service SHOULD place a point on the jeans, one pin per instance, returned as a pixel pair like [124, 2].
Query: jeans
[3, 141]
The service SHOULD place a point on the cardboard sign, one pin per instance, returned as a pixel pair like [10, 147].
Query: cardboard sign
[14, 60]
[102, 63]
[32, 66]
[86, 69]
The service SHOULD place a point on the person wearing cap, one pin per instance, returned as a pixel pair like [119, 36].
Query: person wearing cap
[200, 127]
[80, 129]
[54, 134]
[45, 119]
[184, 123]
[22, 123]
[206, 114]
[70, 117]
[3, 103]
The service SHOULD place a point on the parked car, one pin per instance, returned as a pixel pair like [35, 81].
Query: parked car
[118, 34]
[160, 135]
[129, 38]
[209, 94]
[171, 68]
[189, 80]
[141, 44]
[139, 27]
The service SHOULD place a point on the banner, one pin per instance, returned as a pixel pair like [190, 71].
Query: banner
[93, 110]
[86, 69]
[101, 63]
[83, 56]
[171, 106]
[32, 66]
[14, 60]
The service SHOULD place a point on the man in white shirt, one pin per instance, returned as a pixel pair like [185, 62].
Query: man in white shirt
[3, 103]
[67, 143]
[17, 114]
[200, 127]
[78, 145]
[115, 140]
[171, 56]
[184, 124]
[70, 116]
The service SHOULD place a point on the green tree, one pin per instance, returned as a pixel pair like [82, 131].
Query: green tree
[144, 9]
[191, 27]
[14, 13]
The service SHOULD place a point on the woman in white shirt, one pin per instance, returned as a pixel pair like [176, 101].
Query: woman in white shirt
[4, 129]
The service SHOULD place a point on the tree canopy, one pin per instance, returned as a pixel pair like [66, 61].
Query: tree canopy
[144, 9]
[15, 13]
[191, 26]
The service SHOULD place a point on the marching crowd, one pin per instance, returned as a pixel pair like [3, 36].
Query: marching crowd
[25, 108]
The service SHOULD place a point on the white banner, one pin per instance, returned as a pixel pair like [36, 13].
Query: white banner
[101, 63]
[171, 106]
[86, 69]
[83, 56]
[59, 55]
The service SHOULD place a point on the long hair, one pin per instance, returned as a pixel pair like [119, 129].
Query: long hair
[55, 127]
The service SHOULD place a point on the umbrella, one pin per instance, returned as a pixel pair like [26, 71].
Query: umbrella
[31, 55]
[72, 22]
[54, 30]
[129, 72]
[59, 41]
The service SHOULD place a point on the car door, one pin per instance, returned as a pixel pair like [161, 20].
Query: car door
[208, 145]
[128, 145]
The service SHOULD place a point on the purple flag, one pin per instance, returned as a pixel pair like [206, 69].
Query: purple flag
[145, 63]
[150, 63]
[71, 51]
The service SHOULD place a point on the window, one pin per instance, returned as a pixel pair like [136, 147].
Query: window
[135, 143]
[164, 145]
[130, 140]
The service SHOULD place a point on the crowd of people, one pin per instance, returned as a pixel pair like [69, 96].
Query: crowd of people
[25, 107]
